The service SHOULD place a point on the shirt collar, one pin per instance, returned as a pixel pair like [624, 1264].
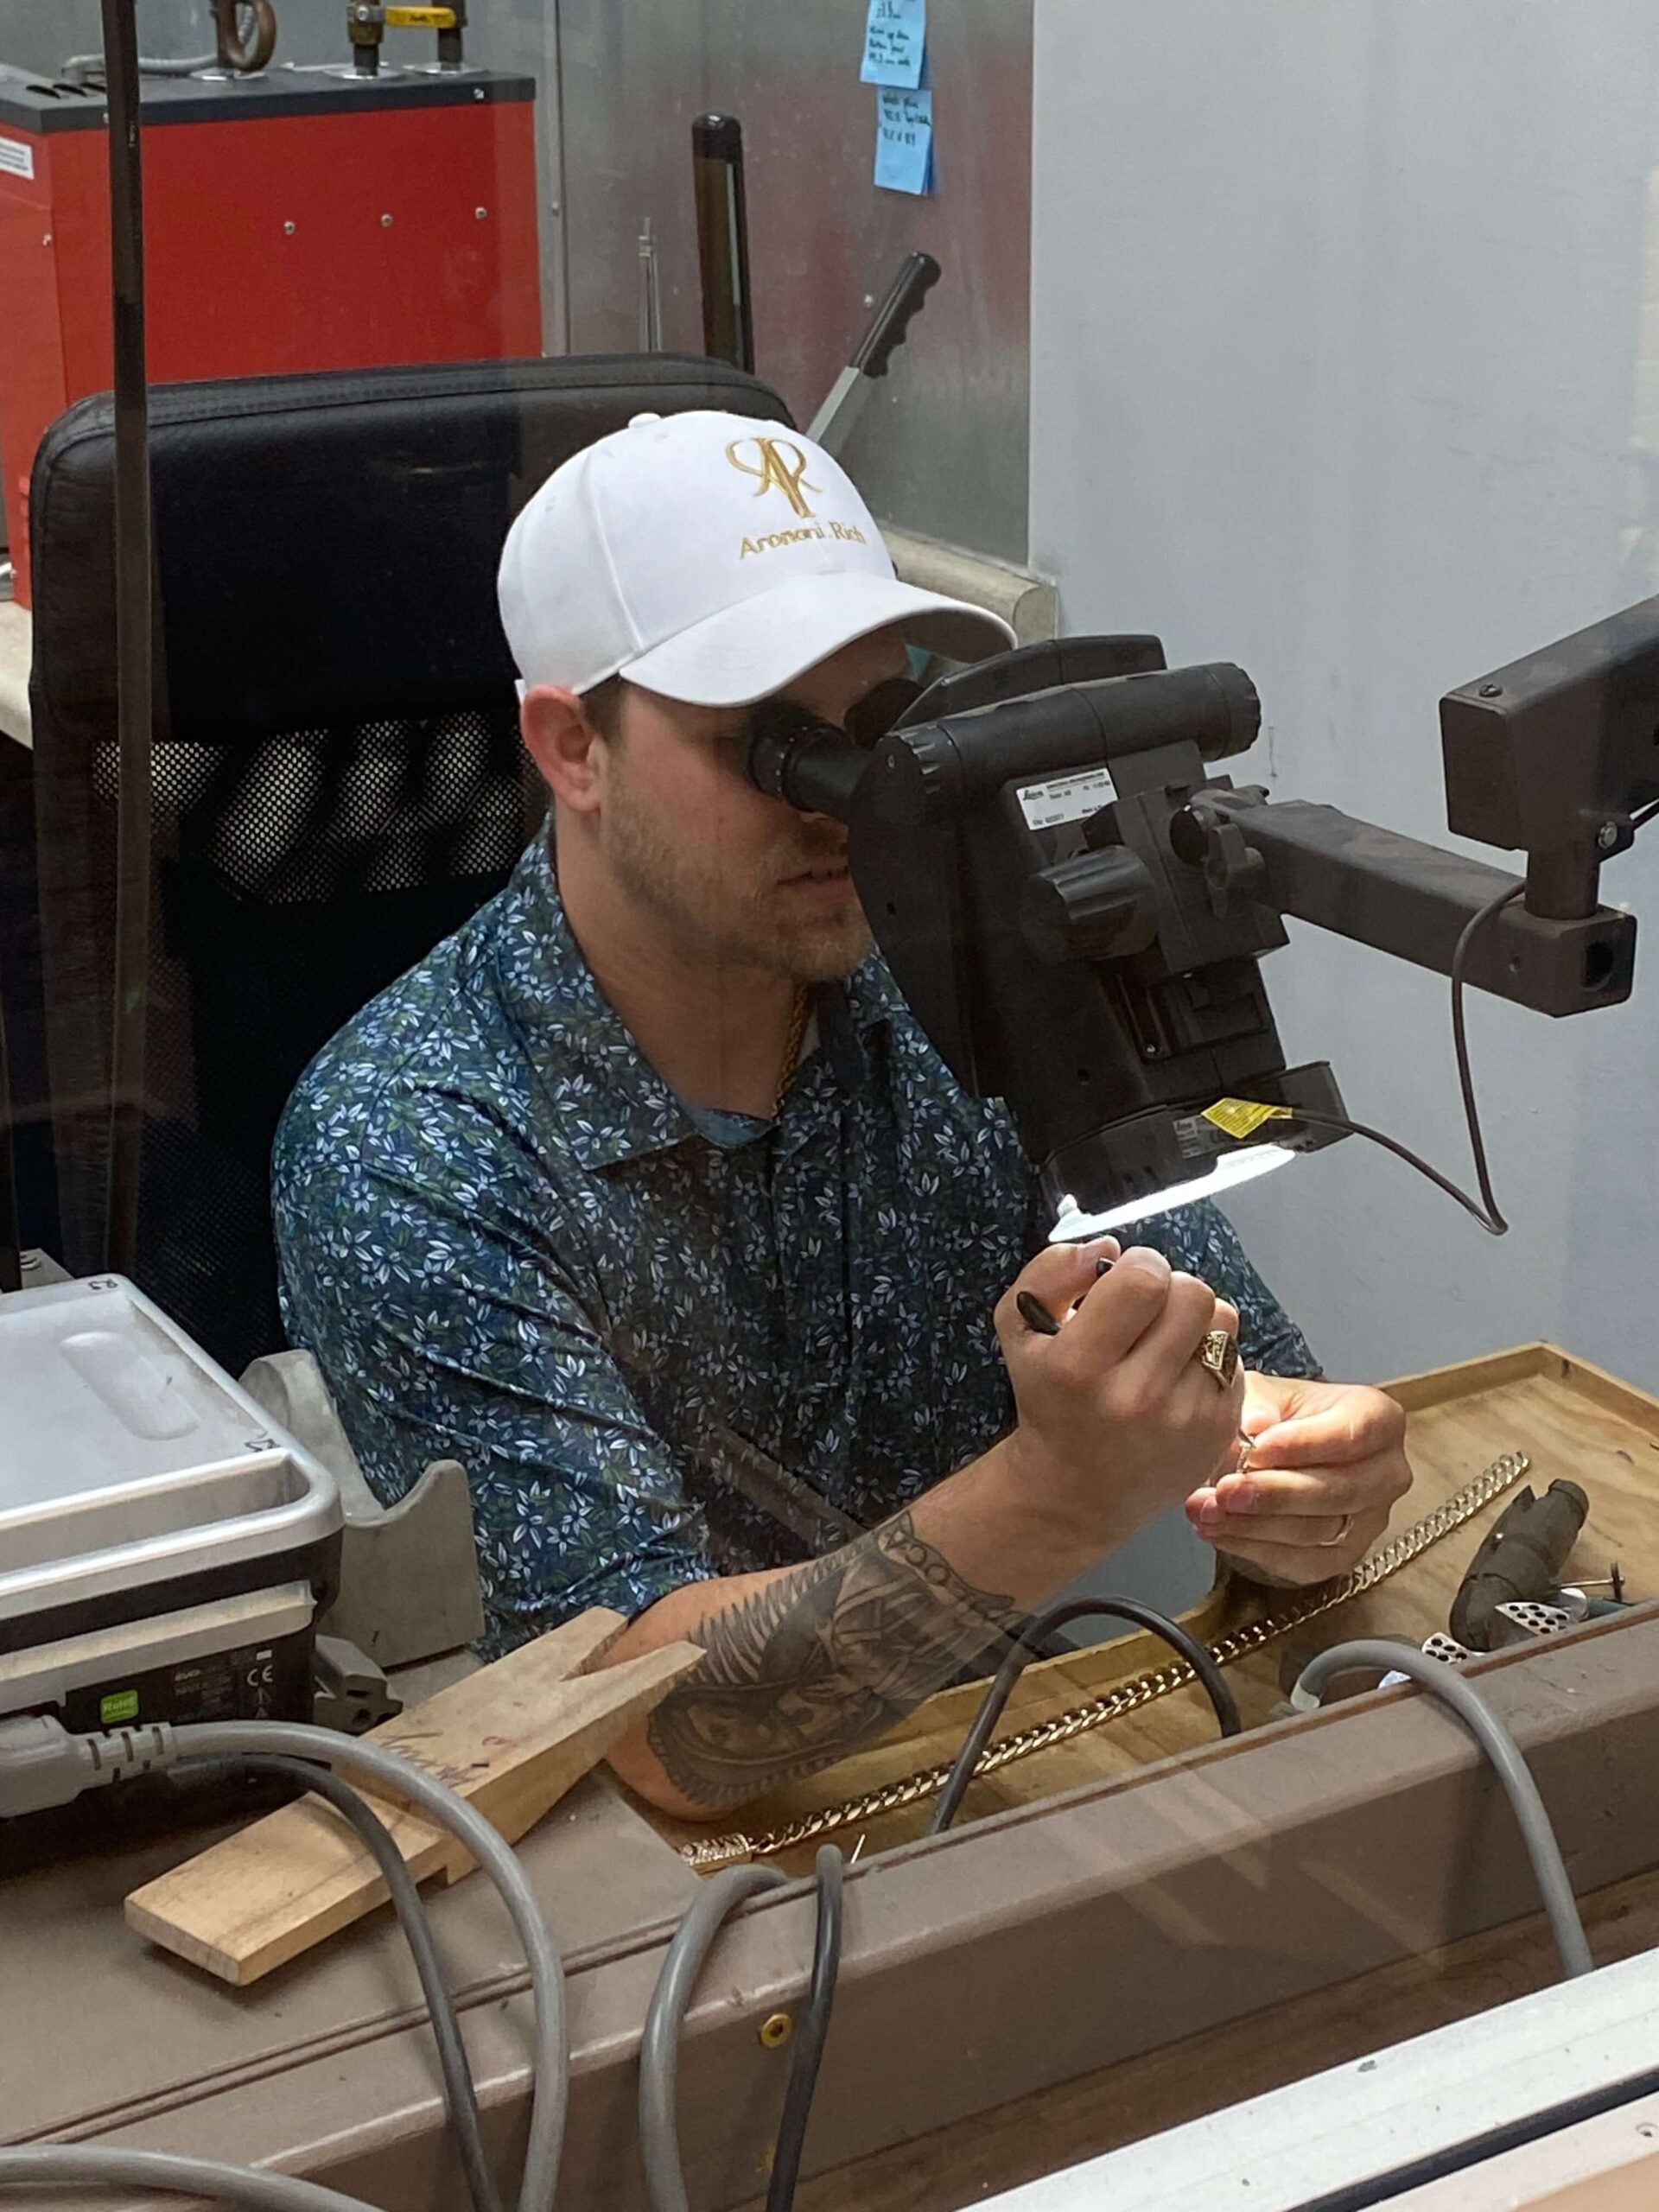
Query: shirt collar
[610, 1102]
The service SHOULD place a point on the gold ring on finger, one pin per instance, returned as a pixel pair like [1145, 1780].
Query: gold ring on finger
[1219, 1356]
[1341, 1536]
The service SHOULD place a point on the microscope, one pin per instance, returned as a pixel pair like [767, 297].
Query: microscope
[1105, 983]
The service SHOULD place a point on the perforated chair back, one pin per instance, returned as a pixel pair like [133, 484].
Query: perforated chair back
[337, 776]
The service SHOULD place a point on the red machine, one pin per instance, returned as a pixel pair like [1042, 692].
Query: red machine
[295, 219]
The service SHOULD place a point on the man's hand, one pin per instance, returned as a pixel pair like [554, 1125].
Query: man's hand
[1117, 1418]
[1117, 1421]
[1324, 1454]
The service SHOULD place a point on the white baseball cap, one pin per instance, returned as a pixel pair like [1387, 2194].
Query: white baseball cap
[710, 558]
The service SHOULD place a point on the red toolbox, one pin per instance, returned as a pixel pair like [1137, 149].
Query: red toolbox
[293, 219]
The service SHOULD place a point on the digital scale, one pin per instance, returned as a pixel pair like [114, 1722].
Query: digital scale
[165, 1552]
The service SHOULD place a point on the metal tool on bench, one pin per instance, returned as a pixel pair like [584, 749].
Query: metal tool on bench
[1512, 1592]
[1520, 1564]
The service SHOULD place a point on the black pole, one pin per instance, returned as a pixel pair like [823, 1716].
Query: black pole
[133, 549]
[722, 239]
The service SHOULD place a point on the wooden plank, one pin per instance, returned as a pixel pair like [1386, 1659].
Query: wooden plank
[512, 1739]
[1600, 1388]
[1436, 1386]
[1569, 1417]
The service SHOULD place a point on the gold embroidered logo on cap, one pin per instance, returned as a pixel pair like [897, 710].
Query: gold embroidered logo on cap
[776, 473]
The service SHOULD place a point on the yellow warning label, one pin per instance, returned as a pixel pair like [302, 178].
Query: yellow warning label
[1242, 1117]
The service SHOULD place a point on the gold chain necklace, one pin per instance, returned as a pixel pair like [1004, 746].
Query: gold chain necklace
[791, 1048]
[711, 1851]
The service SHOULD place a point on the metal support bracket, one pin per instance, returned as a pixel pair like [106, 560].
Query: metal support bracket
[409, 1585]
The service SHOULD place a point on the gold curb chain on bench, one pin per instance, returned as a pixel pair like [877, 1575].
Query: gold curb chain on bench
[710, 1852]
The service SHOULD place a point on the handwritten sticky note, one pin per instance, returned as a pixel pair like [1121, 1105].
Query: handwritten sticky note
[904, 140]
[895, 43]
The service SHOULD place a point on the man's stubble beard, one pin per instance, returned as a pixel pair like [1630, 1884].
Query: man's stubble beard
[728, 931]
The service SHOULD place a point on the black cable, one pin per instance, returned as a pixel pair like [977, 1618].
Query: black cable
[459, 2094]
[1484, 1209]
[810, 2036]
[1202, 1663]
[1472, 928]
[1493, 1224]
[133, 548]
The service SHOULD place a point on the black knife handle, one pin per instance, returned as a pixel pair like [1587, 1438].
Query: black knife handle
[917, 276]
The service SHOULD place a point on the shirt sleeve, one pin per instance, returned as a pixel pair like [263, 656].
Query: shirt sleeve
[1201, 1241]
[448, 1325]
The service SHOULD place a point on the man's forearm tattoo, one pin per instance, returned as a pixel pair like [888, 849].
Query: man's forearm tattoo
[817, 1663]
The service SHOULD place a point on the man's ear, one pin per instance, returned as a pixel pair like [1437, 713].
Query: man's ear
[564, 745]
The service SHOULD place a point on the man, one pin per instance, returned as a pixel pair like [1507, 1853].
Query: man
[646, 1198]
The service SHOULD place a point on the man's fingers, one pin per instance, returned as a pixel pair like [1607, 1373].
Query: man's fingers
[1299, 1532]
[1056, 1278]
[1120, 1308]
[1354, 1426]
[1299, 1563]
[1326, 1489]
[1172, 1343]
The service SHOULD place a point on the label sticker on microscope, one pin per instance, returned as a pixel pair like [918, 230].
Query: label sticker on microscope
[1242, 1117]
[16, 157]
[1066, 798]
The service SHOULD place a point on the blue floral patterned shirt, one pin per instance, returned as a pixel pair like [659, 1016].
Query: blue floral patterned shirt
[508, 1242]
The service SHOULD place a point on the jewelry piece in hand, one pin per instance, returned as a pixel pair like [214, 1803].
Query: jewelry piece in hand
[1219, 1356]
[1341, 1536]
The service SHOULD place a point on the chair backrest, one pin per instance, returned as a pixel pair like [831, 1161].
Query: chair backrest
[338, 780]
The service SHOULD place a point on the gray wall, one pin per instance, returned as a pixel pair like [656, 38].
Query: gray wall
[1345, 343]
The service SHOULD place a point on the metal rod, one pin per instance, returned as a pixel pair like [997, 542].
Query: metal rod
[134, 537]
[651, 301]
[1379, 889]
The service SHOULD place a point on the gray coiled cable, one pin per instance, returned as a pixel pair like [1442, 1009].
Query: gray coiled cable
[66, 2165]
[1495, 1739]
[660, 2050]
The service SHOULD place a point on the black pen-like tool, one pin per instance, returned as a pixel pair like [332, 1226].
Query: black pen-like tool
[1037, 1317]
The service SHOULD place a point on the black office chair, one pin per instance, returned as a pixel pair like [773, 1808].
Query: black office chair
[338, 780]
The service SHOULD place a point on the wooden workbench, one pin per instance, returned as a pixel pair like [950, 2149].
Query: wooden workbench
[1568, 1417]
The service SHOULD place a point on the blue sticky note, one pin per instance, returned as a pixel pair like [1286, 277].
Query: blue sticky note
[895, 43]
[904, 140]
